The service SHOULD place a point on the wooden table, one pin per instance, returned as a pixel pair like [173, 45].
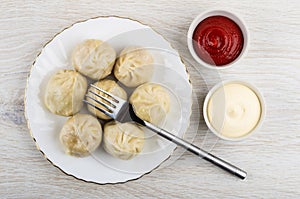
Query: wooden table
[271, 156]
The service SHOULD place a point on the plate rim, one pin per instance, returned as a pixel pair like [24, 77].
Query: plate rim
[30, 73]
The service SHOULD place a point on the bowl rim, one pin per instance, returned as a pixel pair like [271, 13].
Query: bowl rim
[254, 89]
[218, 12]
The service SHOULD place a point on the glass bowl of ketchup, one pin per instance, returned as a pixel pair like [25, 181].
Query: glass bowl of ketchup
[217, 39]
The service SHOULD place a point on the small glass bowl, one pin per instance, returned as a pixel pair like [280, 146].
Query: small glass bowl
[214, 89]
[224, 13]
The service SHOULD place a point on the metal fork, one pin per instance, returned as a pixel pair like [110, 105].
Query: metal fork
[122, 111]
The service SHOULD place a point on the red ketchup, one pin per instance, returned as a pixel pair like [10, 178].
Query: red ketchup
[218, 40]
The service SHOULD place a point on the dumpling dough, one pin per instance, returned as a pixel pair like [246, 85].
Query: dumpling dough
[151, 102]
[94, 58]
[123, 140]
[134, 66]
[109, 86]
[65, 92]
[81, 135]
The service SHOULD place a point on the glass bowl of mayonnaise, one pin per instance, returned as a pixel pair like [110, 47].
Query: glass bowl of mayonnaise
[233, 110]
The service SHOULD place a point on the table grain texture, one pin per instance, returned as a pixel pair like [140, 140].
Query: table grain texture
[271, 156]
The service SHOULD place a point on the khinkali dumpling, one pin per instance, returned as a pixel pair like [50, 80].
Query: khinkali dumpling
[109, 86]
[123, 140]
[151, 102]
[81, 135]
[65, 92]
[134, 66]
[94, 58]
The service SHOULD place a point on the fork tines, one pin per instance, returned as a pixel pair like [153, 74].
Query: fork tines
[107, 102]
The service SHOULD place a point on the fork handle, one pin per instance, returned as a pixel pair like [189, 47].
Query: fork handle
[198, 151]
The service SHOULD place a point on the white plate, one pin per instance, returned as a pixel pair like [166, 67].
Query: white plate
[101, 167]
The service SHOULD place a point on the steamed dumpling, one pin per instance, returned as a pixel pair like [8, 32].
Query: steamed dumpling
[81, 135]
[109, 86]
[123, 140]
[65, 92]
[134, 66]
[94, 58]
[151, 102]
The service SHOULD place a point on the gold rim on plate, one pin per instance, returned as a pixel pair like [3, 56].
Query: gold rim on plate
[25, 99]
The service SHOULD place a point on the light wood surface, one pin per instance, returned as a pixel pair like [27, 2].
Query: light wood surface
[271, 156]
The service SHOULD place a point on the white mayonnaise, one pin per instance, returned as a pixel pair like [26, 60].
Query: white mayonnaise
[234, 110]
